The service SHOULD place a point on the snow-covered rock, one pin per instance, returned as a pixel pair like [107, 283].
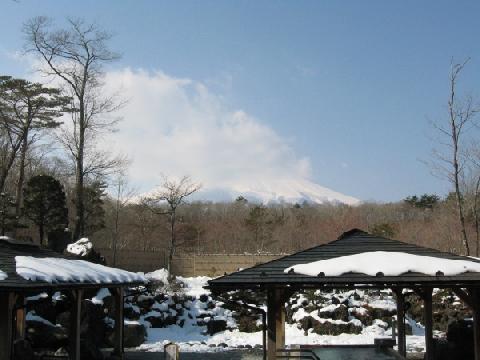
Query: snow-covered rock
[82, 247]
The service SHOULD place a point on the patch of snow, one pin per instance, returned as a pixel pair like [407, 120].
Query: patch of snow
[101, 295]
[158, 275]
[3, 275]
[31, 316]
[389, 263]
[42, 295]
[82, 247]
[58, 270]
[193, 286]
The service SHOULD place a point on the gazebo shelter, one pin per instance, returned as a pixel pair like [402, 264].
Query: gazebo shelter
[27, 269]
[280, 279]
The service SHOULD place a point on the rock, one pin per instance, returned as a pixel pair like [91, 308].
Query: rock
[223, 345]
[460, 337]
[203, 298]
[134, 335]
[215, 326]
[145, 302]
[43, 307]
[61, 352]
[131, 313]
[22, 350]
[90, 350]
[42, 335]
[339, 313]
[156, 321]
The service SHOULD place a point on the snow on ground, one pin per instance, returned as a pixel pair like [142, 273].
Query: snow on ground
[3, 275]
[190, 339]
[55, 270]
[389, 263]
[193, 286]
[82, 247]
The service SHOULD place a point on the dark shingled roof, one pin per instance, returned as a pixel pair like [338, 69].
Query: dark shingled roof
[10, 248]
[352, 242]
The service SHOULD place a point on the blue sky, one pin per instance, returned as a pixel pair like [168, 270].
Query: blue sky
[349, 86]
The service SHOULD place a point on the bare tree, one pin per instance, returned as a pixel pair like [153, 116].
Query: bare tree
[76, 56]
[461, 116]
[123, 195]
[165, 201]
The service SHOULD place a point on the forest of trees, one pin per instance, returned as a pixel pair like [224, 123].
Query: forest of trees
[54, 176]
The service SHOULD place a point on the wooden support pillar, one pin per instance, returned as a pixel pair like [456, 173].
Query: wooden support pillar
[7, 302]
[275, 322]
[119, 323]
[20, 317]
[75, 320]
[402, 344]
[428, 317]
[475, 297]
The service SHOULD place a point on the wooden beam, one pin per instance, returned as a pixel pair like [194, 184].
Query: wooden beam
[20, 317]
[428, 317]
[7, 302]
[402, 344]
[275, 322]
[475, 295]
[119, 323]
[75, 320]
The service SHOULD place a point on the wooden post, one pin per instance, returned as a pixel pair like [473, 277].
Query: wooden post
[75, 320]
[475, 296]
[402, 345]
[7, 302]
[20, 317]
[428, 315]
[275, 322]
[119, 323]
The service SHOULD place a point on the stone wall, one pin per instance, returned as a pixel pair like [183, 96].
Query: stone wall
[185, 265]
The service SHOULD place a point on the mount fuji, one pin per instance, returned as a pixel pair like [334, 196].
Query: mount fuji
[275, 191]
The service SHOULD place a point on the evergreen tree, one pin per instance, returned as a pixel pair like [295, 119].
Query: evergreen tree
[45, 204]
[93, 196]
[8, 218]
[26, 110]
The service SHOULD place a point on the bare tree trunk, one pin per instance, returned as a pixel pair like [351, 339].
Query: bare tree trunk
[476, 219]
[171, 250]
[115, 235]
[79, 183]
[456, 168]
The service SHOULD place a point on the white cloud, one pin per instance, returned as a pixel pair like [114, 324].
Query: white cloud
[178, 127]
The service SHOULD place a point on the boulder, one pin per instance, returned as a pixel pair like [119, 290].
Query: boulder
[22, 350]
[339, 313]
[133, 335]
[42, 335]
[460, 337]
[215, 326]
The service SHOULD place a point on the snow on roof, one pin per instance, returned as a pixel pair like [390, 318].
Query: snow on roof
[388, 263]
[82, 247]
[57, 270]
[3, 275]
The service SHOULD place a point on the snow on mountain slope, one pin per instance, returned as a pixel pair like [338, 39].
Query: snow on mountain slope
[276, 191]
